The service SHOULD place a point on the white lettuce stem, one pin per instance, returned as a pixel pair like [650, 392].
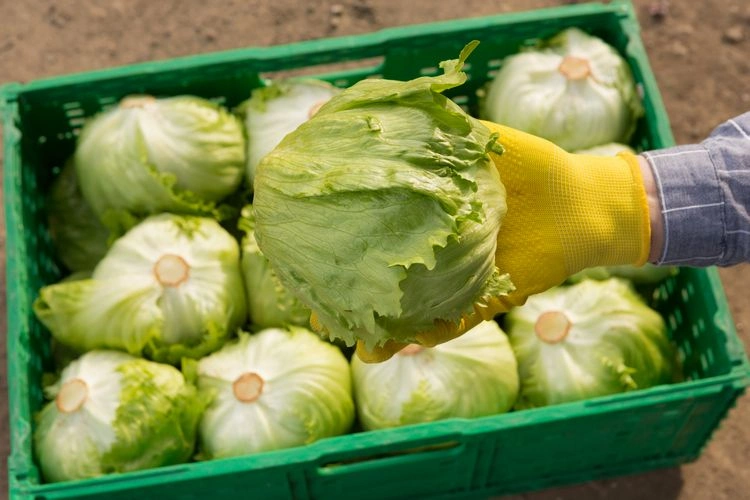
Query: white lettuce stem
[552, 327]
[73, 394]
[248, 387]
[171, 270]
[574, 68]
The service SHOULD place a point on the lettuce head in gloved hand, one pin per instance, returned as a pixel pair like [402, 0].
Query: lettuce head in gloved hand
[381, 213]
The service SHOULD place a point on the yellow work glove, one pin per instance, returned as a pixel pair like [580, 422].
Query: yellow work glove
[566, 212]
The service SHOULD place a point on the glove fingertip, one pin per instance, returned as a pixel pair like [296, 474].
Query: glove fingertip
[379, 353]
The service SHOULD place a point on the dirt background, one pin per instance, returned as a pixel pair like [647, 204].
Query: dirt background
[699, 51]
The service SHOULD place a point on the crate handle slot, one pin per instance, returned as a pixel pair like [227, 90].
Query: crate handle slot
[410, 454]
[338, 73]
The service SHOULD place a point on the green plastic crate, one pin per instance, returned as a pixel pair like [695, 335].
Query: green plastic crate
[532, 449]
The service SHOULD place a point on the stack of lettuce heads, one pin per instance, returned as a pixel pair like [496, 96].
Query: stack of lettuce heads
[378, 211]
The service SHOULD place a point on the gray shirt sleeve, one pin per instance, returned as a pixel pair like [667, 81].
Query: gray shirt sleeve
[705, 197]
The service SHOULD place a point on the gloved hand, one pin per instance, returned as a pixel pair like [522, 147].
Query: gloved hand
[566, 212]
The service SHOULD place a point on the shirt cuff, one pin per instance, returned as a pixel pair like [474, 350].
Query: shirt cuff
[692, 205]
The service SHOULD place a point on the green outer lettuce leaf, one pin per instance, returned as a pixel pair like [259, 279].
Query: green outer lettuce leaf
[381, 213]
[471, 376]
[179, 154]
[157, 420]
[306, 393]
[80, 238]
[122, 306]
[616, 343]
[268, 302]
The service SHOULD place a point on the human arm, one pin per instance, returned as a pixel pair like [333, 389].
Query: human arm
[704, 198]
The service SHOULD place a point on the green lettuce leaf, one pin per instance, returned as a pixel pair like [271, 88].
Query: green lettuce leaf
[381, 213]
[157, 419]
[268, 301]
[80, 239]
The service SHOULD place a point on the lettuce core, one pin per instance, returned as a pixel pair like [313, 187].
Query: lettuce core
[248, 387]
[552, 327]
[72, 395]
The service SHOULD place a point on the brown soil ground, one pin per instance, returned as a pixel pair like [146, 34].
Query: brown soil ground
[698, 51]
